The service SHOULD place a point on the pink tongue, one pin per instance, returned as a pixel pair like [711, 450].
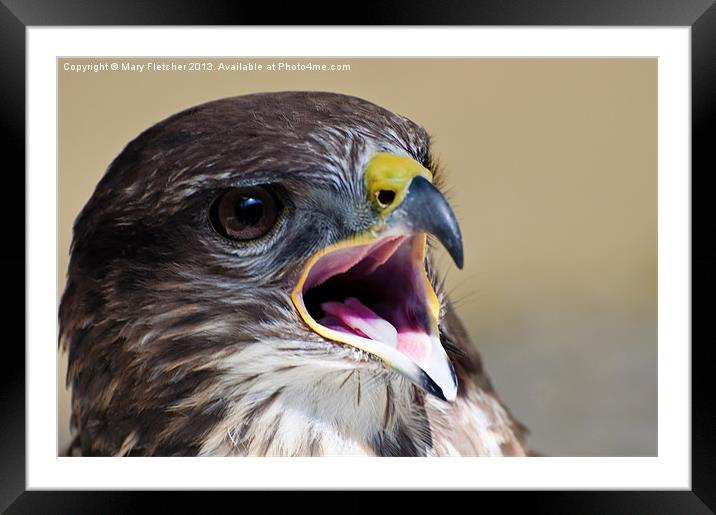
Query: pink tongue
[415, 345]
[355, 315]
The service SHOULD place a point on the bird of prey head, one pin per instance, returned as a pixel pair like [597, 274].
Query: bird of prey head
[252, 277]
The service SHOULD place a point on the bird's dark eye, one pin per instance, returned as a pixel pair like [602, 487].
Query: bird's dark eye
[245, 214]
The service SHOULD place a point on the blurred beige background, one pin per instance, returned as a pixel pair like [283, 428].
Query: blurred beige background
[552, 170]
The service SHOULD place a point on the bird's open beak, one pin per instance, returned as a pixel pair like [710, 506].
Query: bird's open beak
[372, 291]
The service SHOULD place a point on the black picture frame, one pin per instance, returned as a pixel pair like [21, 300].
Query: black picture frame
[700, 15]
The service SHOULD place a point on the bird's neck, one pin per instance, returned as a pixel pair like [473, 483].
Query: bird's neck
[287, 403]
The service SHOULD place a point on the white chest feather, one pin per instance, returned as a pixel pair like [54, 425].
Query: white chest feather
[306, 407]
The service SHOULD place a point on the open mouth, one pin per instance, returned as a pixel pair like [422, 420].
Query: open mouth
[377, 291]
[376, 296]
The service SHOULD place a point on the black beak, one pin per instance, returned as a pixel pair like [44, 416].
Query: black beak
[425, 209]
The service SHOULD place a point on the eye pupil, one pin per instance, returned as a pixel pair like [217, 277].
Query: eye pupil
[249, 211]
[244, 214]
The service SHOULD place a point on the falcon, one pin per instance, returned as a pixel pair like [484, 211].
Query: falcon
[253, 277]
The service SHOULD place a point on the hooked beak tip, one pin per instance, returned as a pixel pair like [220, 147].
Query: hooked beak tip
[425, 209]
[457, 257]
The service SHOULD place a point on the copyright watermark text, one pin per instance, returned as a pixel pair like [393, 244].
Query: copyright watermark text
[221, 66]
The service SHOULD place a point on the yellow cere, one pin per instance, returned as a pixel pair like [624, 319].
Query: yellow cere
[392, 173]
